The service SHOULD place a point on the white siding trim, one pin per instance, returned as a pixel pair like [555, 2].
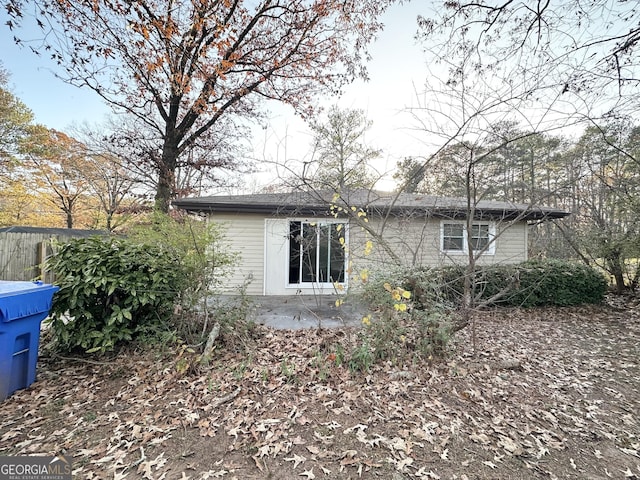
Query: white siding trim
[264, 256]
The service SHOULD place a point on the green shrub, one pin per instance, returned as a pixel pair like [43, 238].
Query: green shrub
[361, 358]
[557, 282]
[528, 284]
[421, 282]
[205, 260]
[425, 327]
[111, 291]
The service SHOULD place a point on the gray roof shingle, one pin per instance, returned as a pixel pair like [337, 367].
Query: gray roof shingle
[373, 202]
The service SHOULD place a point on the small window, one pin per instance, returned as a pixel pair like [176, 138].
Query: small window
[454, 237]
[479, 236]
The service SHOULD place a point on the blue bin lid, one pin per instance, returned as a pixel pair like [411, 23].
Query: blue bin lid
[23, 299]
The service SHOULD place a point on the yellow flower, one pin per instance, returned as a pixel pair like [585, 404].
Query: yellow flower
[339, 302]
[342, 241]
[396, 295]
[406, 294]
[368, 247]
[366, 320]
[403, 338]
[401, 307]
[387, 287]
[353, 209]
[364, 275]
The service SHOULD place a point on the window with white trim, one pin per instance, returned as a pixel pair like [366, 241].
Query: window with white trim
[316, 253]
[454, 237]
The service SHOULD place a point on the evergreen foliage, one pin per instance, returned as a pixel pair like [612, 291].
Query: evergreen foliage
[529, 284]
[111, 291]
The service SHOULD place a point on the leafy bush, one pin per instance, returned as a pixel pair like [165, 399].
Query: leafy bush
[198, 244]
[557, 282]
[361, 358]
[528, 284]
[205, 260]
[426, 322]
[119, 290]
[408, 317]
[112, 290]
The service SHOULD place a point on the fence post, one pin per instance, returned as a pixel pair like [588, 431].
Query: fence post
[42, 256]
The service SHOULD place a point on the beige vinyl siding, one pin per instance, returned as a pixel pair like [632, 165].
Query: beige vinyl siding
[417, 242]
[245, 235]
[511, 242]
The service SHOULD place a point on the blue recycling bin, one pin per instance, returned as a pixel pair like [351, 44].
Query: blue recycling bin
[23, 306]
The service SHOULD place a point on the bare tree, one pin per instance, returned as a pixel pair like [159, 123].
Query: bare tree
[211, 162]
[182, 68]
[114, 188]
[579, 56]
[604, 230]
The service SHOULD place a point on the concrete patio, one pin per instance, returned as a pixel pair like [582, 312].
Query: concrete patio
[305, 311]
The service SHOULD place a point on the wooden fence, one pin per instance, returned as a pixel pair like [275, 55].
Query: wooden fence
[23, 250]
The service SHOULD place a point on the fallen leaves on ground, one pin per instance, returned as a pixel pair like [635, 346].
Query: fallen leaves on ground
[548, 393]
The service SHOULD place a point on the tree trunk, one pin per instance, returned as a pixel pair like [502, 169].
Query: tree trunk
[633, 285]
[67, 208]
[167, 173]
[619, 279]
[615, 268]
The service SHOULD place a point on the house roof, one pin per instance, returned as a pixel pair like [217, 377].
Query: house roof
[373, 202]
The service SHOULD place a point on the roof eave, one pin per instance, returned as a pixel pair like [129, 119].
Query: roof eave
[253, 208]
[319, 210]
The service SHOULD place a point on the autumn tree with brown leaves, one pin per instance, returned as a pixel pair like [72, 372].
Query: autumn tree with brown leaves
[58, 170]
[183, 68]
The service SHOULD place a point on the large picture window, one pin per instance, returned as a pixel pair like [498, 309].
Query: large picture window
[316, 252]
[454, 237]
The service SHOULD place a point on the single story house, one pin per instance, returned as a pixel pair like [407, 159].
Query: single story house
[311, 242]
